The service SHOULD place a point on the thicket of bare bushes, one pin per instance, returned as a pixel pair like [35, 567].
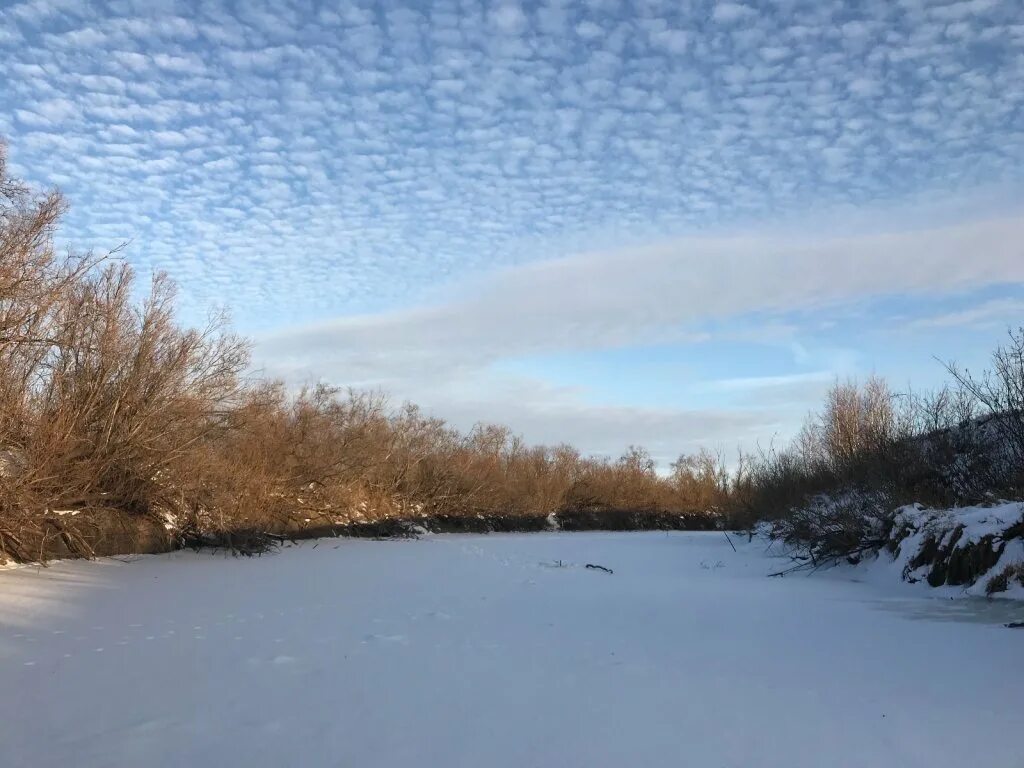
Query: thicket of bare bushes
[104, 402]
[833, 493]
[110, 404]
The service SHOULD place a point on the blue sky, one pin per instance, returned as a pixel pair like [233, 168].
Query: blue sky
[667, 223]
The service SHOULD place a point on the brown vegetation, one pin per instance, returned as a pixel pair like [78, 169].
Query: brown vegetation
[110, 406]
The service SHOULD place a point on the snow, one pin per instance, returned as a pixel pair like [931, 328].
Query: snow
[500, 650]
[975, 523]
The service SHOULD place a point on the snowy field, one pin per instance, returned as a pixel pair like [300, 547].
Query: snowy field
[481, 651]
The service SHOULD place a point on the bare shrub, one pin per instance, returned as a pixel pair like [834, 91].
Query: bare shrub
[122, 400]
[870, 451]
[829, 528]
[701, 482]
[102, 401]
[999, 395]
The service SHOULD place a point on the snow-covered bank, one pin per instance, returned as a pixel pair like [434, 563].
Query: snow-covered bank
[501, 650]
[978, 549]
[967, 551]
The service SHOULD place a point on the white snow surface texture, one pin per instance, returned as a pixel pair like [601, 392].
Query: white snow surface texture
[467, 651]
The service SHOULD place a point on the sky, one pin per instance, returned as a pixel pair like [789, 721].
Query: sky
[624, 222]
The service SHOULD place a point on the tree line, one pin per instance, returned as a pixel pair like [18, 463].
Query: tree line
[107, 403]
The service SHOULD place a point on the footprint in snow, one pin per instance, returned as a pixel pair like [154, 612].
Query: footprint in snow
[389, 639]
[279, 660]
[441, 615]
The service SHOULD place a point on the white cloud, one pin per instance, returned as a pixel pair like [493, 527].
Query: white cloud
[729, 13]
[590, 300]
[508, 16]
[444, 355]
[962, 10]
[134, 62]
[995, 313]
[771, 382]
[588, 30]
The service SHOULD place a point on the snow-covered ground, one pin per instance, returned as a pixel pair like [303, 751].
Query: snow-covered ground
[486, 651]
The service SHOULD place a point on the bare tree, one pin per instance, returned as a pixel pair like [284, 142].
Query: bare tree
[999, 392]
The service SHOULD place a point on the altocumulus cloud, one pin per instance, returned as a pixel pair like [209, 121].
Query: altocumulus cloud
[422, 191]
